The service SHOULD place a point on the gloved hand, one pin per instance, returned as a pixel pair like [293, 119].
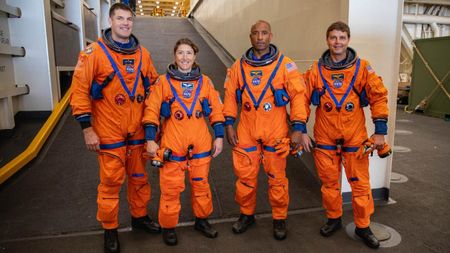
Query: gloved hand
[162, 155]
[368, 147]
[282, 147]
[297, 152]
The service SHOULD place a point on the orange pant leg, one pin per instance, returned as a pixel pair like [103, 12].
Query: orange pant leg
[357, 171]
[201, 198]
[246, 167]
[328, 166]
[112, 176]
[139, 190]
[275, 168]
[171, 180]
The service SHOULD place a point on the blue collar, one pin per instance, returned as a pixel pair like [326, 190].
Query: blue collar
[127, 45]
[264, 57]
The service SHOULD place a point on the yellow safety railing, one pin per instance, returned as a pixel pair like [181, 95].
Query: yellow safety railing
[35, 146]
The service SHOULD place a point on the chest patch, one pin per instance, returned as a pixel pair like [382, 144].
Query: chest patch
[338, 80]
[129, 65]
[256, 76]
[187, 89]
[267, 106]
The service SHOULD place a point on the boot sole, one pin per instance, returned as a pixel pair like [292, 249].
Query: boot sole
[367, 243]
[243, 229]
[207, 234]
[171, 243]
[331, 232]
[280, 238]
[147, 229]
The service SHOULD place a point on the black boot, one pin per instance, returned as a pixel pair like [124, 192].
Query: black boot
[203, 226]
[368, 237]
[244, 221]
[331, 226]
[146, 224]
[279, 229]
[169, 236]
[112, 244]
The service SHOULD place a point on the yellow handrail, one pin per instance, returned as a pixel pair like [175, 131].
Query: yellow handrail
[35, 146]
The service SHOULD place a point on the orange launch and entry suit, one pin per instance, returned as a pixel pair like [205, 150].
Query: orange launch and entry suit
[340, 91]
[185, 101]
[263, 88]
[109, 87]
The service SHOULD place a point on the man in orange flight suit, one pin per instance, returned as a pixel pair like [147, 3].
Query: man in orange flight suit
[111, 80]
[263, 81]
[185, 98]
[340, 84]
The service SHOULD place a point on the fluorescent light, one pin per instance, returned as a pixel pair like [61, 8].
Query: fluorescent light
[172, 15]
[157, 6]
[139, 1]
[157, 2]
[140, 6]
[174, 7]
[176, 3]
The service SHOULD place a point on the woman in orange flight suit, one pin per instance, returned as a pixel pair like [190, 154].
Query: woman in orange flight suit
[185, 98]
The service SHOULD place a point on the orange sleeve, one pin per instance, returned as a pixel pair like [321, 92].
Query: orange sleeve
[310, 77]
[376, 93]
[80, 99]
[230, 106]
[295, 86]
[153, 105]
[216, 115]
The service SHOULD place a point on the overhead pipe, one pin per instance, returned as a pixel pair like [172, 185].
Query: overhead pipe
[425, 19]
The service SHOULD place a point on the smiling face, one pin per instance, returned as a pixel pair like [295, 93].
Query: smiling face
[260, 37]
[337, 42]
[184, 57]
[121, 25]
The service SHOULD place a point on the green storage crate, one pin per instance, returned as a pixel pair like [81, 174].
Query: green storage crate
[436, 52]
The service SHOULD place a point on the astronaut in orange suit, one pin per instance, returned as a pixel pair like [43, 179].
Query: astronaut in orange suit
[263, 81]
[110, 83]
[340, 84]
[185, 98]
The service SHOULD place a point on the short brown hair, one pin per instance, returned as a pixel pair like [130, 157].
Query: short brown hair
[185, 41]
[340, 26]
[119, 6]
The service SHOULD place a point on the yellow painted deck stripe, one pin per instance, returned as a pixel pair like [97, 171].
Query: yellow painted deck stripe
[35, 146]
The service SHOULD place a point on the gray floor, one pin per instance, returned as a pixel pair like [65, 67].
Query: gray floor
[420, 214]
[51, 206]
[15, 141]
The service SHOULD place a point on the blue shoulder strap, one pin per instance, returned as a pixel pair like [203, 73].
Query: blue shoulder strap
[269, 83]
[325, 83]
[117, 71]
[197, 93]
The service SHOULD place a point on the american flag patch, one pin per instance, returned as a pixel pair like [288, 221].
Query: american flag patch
[370, 69]
[291, 66]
